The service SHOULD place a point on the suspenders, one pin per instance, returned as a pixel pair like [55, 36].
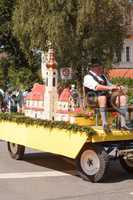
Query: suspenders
[104, 82]
[91, 94]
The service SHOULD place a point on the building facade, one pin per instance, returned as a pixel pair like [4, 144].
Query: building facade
[126, 60]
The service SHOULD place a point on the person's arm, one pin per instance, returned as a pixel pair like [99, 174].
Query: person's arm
[90, 83]
[106, 88]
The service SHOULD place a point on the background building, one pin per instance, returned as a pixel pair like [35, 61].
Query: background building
[124, 68]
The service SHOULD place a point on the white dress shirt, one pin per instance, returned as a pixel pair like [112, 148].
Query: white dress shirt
[91, 83]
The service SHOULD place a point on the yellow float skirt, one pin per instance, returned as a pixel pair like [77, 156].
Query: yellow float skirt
[55, 140]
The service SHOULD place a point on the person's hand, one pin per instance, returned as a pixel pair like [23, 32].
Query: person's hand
[121, 87]
[113, 87]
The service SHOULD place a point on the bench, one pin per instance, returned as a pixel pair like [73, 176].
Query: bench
[111, 109]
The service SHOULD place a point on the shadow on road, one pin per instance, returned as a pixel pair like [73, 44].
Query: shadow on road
[66, 165]
[116, 173]
[50, 161]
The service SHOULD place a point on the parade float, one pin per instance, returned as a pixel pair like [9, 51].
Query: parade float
[55, 123]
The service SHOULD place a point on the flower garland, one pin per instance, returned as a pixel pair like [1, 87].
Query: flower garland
[21, 119]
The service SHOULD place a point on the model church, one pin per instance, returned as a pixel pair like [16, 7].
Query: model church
[43, 101]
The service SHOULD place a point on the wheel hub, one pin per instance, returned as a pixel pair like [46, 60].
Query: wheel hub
[90, 162]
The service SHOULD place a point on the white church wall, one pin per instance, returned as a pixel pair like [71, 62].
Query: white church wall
[62, 117]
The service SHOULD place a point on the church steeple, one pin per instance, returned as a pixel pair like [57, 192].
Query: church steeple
[50, 96]
[51, 62]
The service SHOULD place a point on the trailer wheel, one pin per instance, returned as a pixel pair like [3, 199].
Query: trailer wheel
[127, 164]
[16, 151]
[92, 162]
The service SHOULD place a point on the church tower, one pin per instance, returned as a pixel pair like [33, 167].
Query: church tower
[50, 94]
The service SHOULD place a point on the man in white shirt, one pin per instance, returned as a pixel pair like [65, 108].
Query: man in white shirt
[98, 84]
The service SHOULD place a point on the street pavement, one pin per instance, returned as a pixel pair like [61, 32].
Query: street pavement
[44, 176]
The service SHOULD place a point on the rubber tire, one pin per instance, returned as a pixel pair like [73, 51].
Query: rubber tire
[18, 152]
[125, 165]
[104, 163]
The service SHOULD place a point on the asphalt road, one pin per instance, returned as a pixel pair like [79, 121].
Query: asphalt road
[43, 176]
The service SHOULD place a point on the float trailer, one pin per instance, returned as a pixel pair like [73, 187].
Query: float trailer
[92, 153]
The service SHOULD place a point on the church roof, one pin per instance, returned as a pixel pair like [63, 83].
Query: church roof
[37, 92]
[65, 95]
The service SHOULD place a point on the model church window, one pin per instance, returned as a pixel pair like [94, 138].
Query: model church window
[46, 81]
[54, 82]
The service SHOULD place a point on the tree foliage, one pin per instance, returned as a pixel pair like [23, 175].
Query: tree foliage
[15, 65]
[12, 77]
[77, 29]
[7, 40]
[6, 7]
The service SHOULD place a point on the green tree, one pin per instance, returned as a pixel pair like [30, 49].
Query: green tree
[7, 39]
[21, 78]
[78, 29]
[1, 76]
[4, 64]
[12, 68]
[6, 7]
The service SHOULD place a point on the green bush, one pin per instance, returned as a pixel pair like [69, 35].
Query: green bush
[123, 81]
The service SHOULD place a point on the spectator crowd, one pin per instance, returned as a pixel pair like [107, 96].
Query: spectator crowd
[12, 100]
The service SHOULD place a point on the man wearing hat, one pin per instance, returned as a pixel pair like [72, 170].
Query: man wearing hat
[96, 82]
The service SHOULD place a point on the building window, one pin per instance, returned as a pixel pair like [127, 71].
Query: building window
[54, 82]
[127, 54]
[46, 81]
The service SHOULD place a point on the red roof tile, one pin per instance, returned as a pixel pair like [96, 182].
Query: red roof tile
[37, 93]
[124, 73]
[65, 95]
